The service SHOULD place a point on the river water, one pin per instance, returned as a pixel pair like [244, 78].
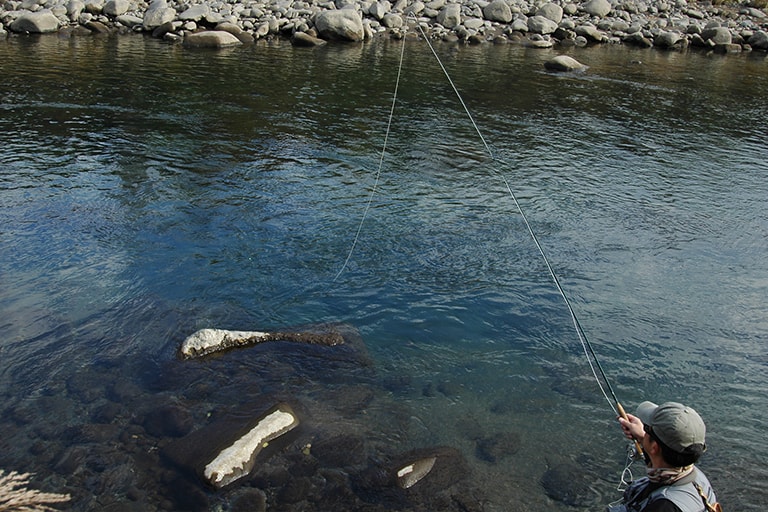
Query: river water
[147, 191]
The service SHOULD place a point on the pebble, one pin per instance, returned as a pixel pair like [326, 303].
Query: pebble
[673, 25]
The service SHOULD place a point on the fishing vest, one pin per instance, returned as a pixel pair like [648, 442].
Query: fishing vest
[682, 493]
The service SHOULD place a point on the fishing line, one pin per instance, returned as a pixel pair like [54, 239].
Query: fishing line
[594, 362]
[381, 163]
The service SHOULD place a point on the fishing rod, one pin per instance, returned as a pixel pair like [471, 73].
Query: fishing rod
[586, 344]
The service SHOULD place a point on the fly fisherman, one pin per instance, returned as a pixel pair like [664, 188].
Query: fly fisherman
[672, 438]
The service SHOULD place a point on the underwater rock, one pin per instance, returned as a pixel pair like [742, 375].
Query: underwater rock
[252, 500]
[339, 451]
[497, 447]
[211, 39]
[563, 63]
[568, 483]
[226, 451]
[168, 421]
[413, 477]
[208, 341]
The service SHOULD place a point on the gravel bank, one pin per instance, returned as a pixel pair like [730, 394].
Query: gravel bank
[674, 24]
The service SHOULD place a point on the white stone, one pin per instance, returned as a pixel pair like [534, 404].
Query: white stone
[237, 460]
[205, 341]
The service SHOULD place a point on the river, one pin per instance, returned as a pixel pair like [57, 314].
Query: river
[147, 191]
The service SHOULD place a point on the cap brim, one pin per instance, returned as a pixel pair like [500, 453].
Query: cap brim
[645, 411]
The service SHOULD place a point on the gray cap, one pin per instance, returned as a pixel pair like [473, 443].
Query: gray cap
[676, 425]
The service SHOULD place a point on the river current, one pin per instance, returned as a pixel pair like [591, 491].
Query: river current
[147, 191]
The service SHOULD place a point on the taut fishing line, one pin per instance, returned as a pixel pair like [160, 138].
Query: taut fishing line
[594, 362]
[381, 163]
[589, 352]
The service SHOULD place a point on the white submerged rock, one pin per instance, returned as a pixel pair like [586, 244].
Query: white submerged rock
[237, 460]
[206, 341]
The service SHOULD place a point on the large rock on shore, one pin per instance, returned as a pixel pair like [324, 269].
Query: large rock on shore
[450, 16]
[718, 35]
[498, 10]
[195, 12]
[551, 11]
[759, 40]
[39, 22]
[116, 7]
[541, 25]
[340, 25]
[158, 14]
[599, 8]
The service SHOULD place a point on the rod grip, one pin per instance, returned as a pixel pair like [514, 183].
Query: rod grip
[623, 414]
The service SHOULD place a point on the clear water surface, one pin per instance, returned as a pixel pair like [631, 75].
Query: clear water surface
[147, 191]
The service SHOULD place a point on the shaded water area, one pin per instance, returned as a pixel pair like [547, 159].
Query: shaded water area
[148, 191]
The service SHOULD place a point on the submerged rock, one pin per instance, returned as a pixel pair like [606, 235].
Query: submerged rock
[208, 341]
[227, 450]
[497, 447]
[306, 40]
[211, 39]
[568, 483]
[564, 63]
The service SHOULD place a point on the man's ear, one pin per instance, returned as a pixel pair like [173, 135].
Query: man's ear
[654, 448]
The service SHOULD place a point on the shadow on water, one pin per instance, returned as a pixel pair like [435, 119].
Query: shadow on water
[147, 191]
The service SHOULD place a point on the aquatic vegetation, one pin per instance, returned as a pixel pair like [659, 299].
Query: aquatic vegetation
[16, 495]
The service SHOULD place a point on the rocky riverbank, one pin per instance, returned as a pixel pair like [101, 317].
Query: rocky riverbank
[666, 24]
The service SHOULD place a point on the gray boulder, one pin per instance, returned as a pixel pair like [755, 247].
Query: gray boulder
[498, 10]
[718, 35]
[38, 22]
[666, 39]
[129, 20]
[74, 9]
[551, 11]
[520, 25]
[450, 16]
[195, 12]
[94, 6]
[340, 25]
[541, 25]
[597, 8]
[590, 32]
[305, 40]
[759, 40]
[211, 39]
[157, 14]
[563, 63]
[391, 20]
[116, 7]
[638, 39]
[379, 9]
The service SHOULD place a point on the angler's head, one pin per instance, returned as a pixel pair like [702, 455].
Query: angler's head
[678, 431]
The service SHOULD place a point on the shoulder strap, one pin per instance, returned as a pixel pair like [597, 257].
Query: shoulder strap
[707, 505]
